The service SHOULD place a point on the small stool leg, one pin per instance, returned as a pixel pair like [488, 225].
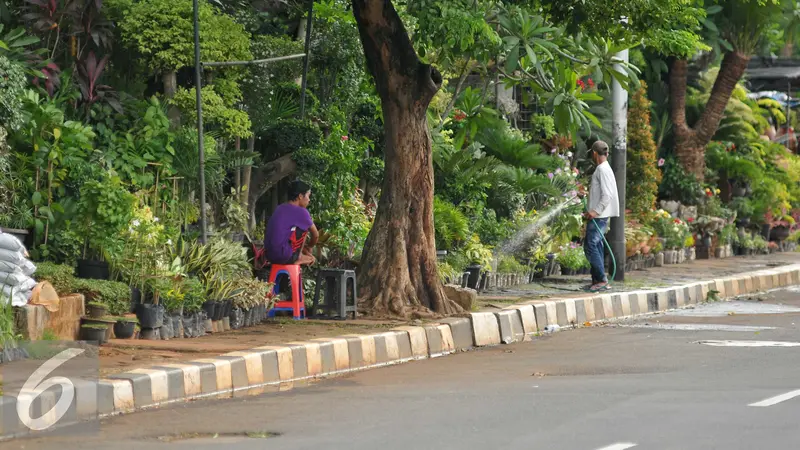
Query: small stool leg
[316, 295]
[355, 297]
[341, 302]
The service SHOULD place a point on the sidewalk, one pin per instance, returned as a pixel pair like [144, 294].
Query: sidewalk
[562, 287]
[259, 363]
[119, 355]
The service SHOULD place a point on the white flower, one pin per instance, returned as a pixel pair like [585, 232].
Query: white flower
[569, 154]
[155, 219]
[169, 241]
[130, 229]
[135, 222]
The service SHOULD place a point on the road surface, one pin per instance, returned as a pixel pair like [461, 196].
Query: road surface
[707, 378]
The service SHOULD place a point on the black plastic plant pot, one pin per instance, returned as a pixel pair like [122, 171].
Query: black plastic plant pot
[228, 305]
[219, 311]
[97, 311]
[149, 315]
[743, 221]
[210, 307]
[136, 298]
[474, 276]
[94, 333]
[124, 329]
[779, 233]
[92, 269]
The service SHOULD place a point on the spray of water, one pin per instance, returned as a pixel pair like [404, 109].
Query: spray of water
[523, 236]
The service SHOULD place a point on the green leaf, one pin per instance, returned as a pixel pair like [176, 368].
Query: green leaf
[714, 9]
[710, 25]
[593, 118]
[512, 60]
[28, 40]
[36, 198]
[3, 45]
[558, 99]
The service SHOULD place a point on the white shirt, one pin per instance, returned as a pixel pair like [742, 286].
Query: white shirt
[603, 197]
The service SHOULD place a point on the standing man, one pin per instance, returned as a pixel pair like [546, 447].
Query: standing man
[603, 204]
[288, 228]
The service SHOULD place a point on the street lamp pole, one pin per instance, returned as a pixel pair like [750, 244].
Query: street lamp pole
[198, 71]
[619, 156]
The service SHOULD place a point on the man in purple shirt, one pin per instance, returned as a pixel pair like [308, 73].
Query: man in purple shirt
[288, 228]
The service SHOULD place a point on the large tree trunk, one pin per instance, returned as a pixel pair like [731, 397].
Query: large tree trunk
[398, 274]
[691, 141]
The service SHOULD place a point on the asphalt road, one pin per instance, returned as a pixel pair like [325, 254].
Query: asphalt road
[644, 384]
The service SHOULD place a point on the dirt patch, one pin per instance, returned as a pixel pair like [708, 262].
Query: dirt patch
[120, 355]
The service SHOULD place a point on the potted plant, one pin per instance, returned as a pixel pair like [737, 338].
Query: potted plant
[480, 258]
[740, 188]
[125, 327]
[780, 227]
[97, 310]
[572, 259]
[744, 210]
[151, 314]
[94, 332]
[104, 211]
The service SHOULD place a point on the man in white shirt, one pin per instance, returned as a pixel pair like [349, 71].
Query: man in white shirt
[603, 204]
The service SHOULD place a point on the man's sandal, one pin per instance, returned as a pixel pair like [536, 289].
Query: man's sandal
[605, 287]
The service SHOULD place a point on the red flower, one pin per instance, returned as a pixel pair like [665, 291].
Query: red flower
[345, 138]
[591, 82]
[677, 220]
[459, 115]
[690, 219]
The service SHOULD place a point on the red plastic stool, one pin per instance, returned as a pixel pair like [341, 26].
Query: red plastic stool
[297, 304]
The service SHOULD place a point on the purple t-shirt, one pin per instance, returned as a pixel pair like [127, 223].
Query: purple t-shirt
[286, 232]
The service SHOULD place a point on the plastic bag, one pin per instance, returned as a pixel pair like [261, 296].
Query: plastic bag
[11, 243]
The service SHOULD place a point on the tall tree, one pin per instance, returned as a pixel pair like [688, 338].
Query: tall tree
[741, 24]
[398, 267]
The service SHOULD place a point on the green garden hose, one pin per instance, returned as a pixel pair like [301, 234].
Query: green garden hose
[603, 236]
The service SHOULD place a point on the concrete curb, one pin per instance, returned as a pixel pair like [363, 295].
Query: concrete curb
[275, 368]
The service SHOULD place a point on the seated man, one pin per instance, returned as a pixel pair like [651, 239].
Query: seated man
[288, 227]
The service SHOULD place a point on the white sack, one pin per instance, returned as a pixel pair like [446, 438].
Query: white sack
[13, 279]
[11, 243]
[16, 258]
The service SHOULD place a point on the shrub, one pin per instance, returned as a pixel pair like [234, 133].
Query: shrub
[113, 294]
[450, 224]
[194, 295]
[478, 253]
[677, 184]
[509, 264]
[643, 175]
[290, 135]
[12, 84]
[572, 257]
[447, 273]
[61, 276]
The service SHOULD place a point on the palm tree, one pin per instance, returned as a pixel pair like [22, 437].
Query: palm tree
[742, 24]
